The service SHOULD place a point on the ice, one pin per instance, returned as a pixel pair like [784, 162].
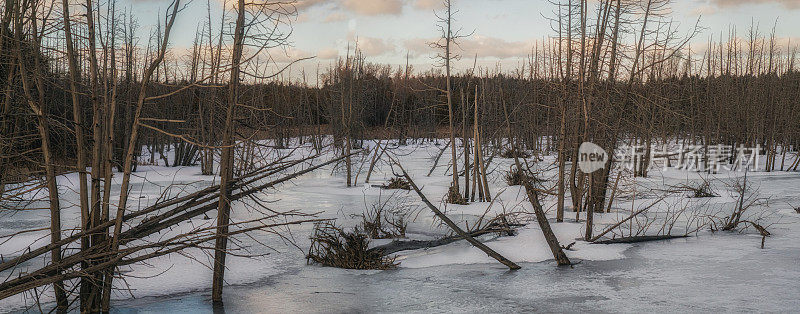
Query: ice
[708, 272]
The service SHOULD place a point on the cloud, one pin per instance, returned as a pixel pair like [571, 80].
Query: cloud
[332, 11]
[335, 17]
[704, 10]
[486, 46]
[285, 54]
[361, 7]
[301, 6]
[372, 47]
[305, 4]
[374, 7]
[428, 4]
[327, 54]
[419, 46]
[303, 17]
[790, 4]
[483, 46]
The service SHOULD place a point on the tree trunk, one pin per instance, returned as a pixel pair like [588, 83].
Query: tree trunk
[226, 164]
[42, 126]
[131, 149]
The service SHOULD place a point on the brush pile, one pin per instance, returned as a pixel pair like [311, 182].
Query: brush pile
[334, 247]
[397, 183]
[454, 197]
[516, 176]
[515, 153]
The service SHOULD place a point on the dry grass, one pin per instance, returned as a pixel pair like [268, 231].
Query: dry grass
[516, 176]
[387, 218]
[453, 197]
[331, 246]
[700, 190]
[515, 153]
[397, 183]
[703, 190]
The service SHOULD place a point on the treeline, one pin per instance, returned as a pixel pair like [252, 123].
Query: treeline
[723, 109]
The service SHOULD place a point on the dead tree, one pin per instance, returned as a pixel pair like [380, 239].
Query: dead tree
[131, 147]
[449, 38]
[491, 253]
[36, 105]
[226, 163]
[263, 30]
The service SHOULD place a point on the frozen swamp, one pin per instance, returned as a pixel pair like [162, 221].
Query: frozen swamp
[707, 271]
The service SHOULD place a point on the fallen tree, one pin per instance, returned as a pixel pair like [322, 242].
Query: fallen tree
[541, 218]
[491, 253]
[186, 207]
[637, 239]
[496, 225]
[182, 203]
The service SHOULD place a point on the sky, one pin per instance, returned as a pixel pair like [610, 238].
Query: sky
[499, 31]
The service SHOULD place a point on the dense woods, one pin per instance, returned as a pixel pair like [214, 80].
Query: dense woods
[82, 93]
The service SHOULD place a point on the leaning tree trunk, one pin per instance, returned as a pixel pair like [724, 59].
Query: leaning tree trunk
[131, 150]
[226, 164]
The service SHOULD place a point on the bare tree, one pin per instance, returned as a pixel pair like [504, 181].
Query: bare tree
[36, 104]
[263, 29]
[446, 43]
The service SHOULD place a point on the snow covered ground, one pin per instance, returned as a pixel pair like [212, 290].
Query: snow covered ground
[708, 271]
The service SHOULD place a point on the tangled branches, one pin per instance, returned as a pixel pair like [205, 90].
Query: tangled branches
[454, 197]
[387, 219]
[700, 190]
[332, 246]
[515, 153]
[516, 176]
[397, 183]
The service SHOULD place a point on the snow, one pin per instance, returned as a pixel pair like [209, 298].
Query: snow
[708, 271]
[527, 246]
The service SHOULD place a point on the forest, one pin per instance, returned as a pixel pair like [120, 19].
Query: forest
[128, 166]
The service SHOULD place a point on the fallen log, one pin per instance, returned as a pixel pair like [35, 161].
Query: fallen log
[436, 162]
[552, 241]
[48, 273]
[491, 253]
[408, 245]
[178, 214]
[191, 200]
[637, 239]
[143, 231]
[52, 273]
[541, 218]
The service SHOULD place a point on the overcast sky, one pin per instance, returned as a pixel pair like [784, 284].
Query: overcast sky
[503, 31]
